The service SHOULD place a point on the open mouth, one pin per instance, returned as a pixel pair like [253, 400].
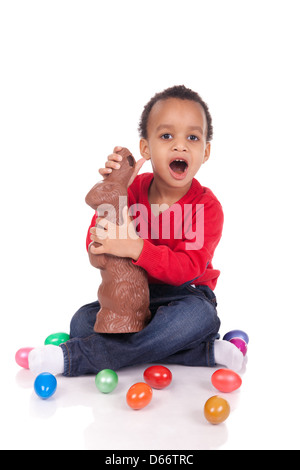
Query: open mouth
[178, 168]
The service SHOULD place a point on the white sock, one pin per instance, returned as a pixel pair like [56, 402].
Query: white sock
[227, 354]
[48, 358]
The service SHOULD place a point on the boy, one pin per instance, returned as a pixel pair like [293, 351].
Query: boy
[175, 130]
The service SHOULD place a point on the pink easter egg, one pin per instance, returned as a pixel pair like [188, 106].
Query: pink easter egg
[21, 357]
[240, 344]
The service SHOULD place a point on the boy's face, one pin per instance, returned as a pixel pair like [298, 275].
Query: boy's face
[176, 141]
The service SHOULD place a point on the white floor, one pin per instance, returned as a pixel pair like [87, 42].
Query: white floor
[265, 412]
[65, 103]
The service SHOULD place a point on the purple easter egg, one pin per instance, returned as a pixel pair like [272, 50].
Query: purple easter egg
[240, 344]
[236, 334]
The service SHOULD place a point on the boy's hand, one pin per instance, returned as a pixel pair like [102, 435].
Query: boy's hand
[113, 163]
[118, 240]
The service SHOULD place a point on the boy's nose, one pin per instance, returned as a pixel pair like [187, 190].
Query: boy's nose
[179, 146]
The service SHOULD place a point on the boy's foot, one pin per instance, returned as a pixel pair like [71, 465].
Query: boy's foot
[48, 358]
[227, 354]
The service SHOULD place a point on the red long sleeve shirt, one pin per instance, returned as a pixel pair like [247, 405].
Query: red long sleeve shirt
[179, 243]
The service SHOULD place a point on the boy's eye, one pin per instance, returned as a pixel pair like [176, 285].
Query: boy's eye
[193, 137]
[166, 136]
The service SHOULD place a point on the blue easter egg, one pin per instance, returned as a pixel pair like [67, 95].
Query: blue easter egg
[45, 385]
[236, 334]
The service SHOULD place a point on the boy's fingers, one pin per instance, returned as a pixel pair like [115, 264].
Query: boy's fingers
[97, 250]
[109, 166]
[105, 171]
[102, 224]
[112, 164]
[115, 157]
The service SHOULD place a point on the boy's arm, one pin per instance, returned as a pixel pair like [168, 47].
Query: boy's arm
[176, 267]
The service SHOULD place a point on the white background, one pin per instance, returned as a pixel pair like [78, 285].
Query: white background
[74, 78]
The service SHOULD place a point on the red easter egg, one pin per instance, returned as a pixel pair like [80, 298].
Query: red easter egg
[158, 377]
[226, 380]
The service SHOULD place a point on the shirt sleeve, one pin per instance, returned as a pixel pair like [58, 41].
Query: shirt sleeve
[178, 266]
[88, 237]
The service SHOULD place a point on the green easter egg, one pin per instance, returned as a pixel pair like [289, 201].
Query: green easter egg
[57, 338]
[106, 380]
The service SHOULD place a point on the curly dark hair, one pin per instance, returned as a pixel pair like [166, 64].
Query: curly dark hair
[177, 91]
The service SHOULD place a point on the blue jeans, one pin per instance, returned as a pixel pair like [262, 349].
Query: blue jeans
[182, 330]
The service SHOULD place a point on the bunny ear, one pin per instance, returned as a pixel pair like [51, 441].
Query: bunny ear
[137, 168]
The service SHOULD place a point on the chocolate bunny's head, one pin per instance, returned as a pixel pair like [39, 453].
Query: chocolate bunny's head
[108, 192]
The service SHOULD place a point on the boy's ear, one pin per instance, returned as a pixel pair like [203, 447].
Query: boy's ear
[144, 149]
[207, 152]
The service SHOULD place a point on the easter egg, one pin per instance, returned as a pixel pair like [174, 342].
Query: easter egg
[45, 385]
[21, 357]
[226, 380]
[57, 338]
[106, 380]
[240, 344]
[158, 377]
[236, 334]
[139, 395]
[216, 410]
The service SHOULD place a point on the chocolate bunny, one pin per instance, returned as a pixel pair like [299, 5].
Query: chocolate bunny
[124, 292]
